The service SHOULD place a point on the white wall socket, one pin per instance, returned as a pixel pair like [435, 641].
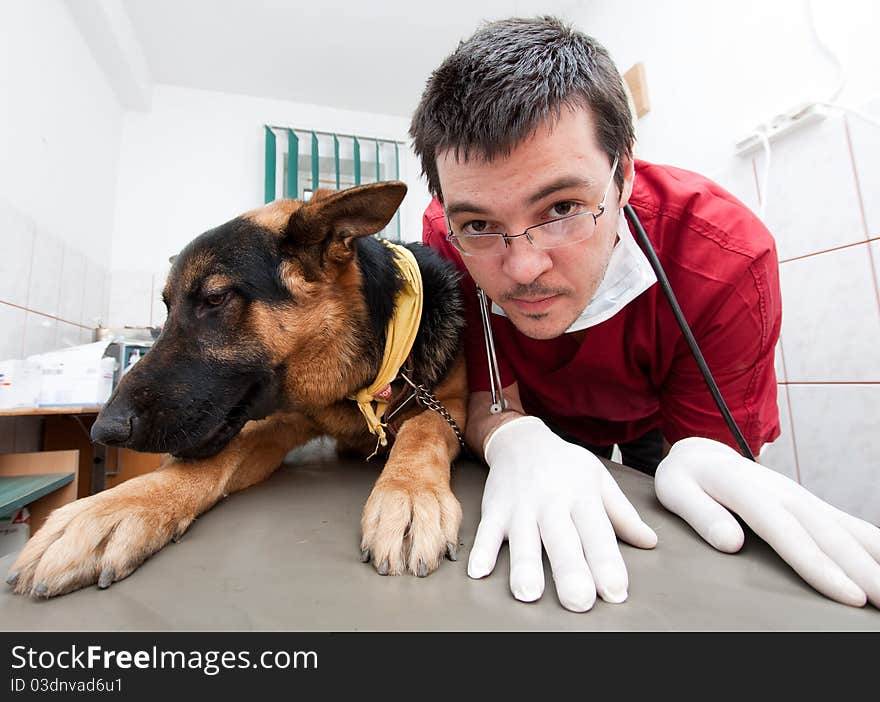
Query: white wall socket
[792, 120]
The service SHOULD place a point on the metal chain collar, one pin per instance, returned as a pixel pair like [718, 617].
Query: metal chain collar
[427, 399]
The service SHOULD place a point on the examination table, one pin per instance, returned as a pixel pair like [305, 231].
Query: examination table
[284, 555]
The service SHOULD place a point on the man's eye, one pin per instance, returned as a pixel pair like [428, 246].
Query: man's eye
[477, 226]
[563, 209]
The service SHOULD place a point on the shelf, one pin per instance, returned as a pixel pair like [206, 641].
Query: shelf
[46, 411]
[18, 491]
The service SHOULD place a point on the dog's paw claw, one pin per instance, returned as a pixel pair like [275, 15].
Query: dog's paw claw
[365, 555]
[12, 578]
[452, 551]
[409, 526]
[41, 590]
[108, 575]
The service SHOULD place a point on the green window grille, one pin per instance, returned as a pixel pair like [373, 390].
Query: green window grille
[299, 161]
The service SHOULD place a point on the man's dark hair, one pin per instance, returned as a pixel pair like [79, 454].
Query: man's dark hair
[498, 86]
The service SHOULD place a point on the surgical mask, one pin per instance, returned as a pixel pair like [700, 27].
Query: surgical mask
[627, 276]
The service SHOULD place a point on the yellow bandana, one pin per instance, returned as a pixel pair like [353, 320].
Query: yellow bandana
[399, 338]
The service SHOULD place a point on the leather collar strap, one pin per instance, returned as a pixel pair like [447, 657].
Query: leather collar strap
[399, 337]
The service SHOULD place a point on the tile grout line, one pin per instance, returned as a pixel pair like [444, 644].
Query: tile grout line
[836, 248]
[82, 302]
[794, 448]
[42, 314]
[855, 174]
[852, 160]
[830, 382]
[27, 294]
[60, 285]
[797, 466]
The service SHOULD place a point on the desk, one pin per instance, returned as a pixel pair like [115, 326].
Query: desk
[97, 473]
[284, 555]
[60, 435]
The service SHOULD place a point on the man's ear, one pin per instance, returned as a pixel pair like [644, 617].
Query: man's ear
[338, 218]
[627, 165]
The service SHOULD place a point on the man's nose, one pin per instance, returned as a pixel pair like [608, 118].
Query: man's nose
[524, 263]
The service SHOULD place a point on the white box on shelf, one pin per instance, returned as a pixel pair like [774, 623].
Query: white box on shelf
[19, 384]
[80, 375]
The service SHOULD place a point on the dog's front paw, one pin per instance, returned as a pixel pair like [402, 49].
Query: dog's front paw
[409, 527]
[98, 539]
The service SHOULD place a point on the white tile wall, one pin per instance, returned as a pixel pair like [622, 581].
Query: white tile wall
[812, 199]
[11, 332]
[45, 280]
[40, 333]
[158, 313]
[16, 252]
[131, 298]
[779, 363]
[50, 295]
[780, 455]
[838, 438]
[830, 317]
[94, 283]
[739, 180]
[874, 246]
[73, 269]
[865, 139]
[67, 335]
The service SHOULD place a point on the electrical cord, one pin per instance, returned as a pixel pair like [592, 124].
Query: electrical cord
[642, 237]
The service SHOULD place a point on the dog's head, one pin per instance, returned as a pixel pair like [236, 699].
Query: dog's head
[261, 311]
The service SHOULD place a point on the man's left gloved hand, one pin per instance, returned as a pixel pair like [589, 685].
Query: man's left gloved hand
[836, 553]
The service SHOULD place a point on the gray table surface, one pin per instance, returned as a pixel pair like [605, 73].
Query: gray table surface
[284, 555]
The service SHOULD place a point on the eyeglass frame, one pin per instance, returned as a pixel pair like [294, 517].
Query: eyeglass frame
[453, 238]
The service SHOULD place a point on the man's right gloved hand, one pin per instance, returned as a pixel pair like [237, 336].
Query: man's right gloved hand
[543, 489]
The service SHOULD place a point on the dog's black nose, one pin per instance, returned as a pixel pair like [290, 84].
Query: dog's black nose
[112, 428]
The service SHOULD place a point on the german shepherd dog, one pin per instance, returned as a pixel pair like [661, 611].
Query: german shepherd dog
[274, 319]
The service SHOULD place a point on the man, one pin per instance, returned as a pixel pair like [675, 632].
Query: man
[526, 139]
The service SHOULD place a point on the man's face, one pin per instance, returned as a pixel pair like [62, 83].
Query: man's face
[558, 171]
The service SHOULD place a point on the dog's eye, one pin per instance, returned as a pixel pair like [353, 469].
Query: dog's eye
[216, 299]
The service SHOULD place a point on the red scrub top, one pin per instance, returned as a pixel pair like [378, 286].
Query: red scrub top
[634, 372]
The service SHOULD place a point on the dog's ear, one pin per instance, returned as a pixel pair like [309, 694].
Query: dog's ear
[338, 218]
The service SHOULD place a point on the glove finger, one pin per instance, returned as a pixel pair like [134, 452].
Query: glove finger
[844, 549]
[866, 534]
[627, 523]
[526, 565]
[574, 584]
[708, 518]
[788, 537]
[487, 543]
[600, 546]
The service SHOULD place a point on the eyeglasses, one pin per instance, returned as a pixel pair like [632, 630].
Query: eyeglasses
[561, 231]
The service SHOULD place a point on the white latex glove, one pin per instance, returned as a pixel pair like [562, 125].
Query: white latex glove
[836, 553]
[543, 489]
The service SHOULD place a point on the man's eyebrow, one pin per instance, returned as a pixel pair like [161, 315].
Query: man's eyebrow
[458, 207]
[561, 183]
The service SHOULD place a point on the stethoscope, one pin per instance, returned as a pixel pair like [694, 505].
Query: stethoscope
[499, 403]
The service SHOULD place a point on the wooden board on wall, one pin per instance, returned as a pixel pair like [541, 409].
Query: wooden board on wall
[66, 432]
[40, 463]
[127, 464]
[637, 83]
